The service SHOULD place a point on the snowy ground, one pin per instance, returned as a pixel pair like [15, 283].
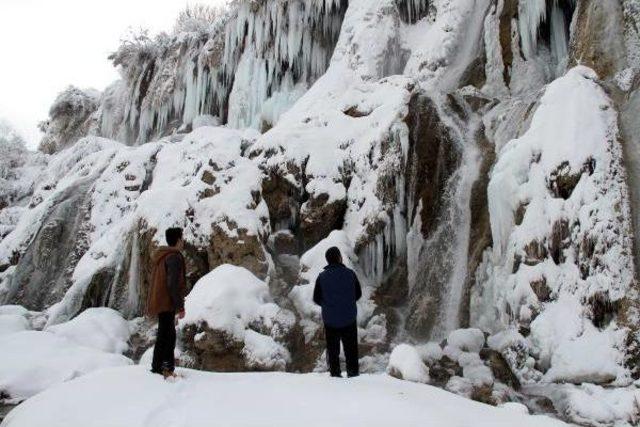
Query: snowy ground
[135, 397]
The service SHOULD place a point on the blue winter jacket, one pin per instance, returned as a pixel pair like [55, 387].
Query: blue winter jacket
[337, 290]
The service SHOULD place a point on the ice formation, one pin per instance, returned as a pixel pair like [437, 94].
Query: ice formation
[254, 53]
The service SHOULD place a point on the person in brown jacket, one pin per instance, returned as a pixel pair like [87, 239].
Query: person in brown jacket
[166, 300]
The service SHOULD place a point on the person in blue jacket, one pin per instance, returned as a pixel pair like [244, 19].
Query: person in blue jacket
[337, 289]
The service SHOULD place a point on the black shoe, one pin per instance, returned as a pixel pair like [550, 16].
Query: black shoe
[334, 375]
[353, 375]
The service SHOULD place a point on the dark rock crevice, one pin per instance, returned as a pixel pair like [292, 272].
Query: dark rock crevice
[480, 232]
[434, 158]
[43, 270]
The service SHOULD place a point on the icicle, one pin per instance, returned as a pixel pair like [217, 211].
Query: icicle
[411, 11]
[175, 80]
[559, 31]
[133, 279]
[532, 13]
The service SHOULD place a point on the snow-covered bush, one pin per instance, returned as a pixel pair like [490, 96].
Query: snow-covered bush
[19, 169]
[70, 119]
[197, 18]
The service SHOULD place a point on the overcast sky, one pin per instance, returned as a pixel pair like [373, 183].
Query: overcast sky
[46, 45]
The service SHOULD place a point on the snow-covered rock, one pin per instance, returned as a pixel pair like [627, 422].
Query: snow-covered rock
[597, 406]
[431, 352]
[229, 308]
[405, 363]
[470, 339]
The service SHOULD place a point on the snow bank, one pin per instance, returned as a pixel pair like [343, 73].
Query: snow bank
[32, 361]
[12, 309]
[101, 328]
[405, 363]
[13, 318]
[199, 398]
[10, 323]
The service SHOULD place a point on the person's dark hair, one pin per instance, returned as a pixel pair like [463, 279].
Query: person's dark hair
[333, 255]
[173, 235]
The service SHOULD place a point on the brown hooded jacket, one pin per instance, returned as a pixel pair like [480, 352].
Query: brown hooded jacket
[168, 281]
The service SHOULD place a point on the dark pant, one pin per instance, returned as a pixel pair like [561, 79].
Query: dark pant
[163, 357]
[349, 337]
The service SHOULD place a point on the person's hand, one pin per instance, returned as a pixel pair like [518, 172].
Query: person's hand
[181, 314]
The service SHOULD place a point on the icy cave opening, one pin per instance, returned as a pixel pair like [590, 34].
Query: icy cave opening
[411, 11]
[545, 30]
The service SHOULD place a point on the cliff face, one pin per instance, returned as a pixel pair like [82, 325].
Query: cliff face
[472, 173]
